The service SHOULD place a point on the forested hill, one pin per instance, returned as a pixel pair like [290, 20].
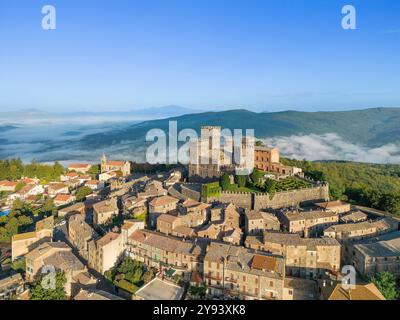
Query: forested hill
[370, 127]
[371, 185]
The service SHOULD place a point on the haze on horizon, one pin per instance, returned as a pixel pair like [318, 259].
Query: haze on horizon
[261, 55]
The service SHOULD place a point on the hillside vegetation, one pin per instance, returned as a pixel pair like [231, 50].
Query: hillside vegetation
[371, 127]
[372, 185]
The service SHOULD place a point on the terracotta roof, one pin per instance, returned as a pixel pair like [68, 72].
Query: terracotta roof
[79, 165]
[63, 197]
[264, 263]
[163, 200]
[8, 183]
[57, 186]
[109, 237]
[360, 292]
[92, 182]
[115, 163]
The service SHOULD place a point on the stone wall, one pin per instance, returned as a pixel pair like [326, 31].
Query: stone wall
[280, 200]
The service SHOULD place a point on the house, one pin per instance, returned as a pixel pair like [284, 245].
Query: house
[193, 213]
[8, 186]
[160, 205]
[69, 176]
[333, 290]
[166, 223]
[257, 221]
[361, 230]
[57, 188]
[174, 177]
[104, 211]
[80, 167]
[75, 208]
[304, 257]
[58, 255]
[11, 287]
[23, 243]
[63, 199]
[134, 205]
[152, 188]
[243, 273]
[80, 234]
[112, 165]
[335, 206]
[354, 217]
[25, 192]
[129, 227]
[109, 175]
[95, 295]
[300, 289]
[106, 251]
[94, 184]
[153, 248]
[307, 223]
[375, 255]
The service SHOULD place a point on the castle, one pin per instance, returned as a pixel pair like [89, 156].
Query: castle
[209, 158]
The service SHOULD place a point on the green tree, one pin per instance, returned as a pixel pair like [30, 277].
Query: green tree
[270, 187]
[19, 265]
[241, 181]
[386, 283]
[48, 208]
[225, 181]
[94, 170]
[256, 176]
[82, 193]
[38, 292]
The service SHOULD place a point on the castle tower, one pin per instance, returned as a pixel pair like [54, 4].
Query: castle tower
[103, 163]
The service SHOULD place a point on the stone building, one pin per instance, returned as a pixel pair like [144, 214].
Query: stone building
[256, 222]
[112, 165]
[158, 250]
[304, 257]
[104, 211]
[11, 287]
[105, 252]
[361, 230]
[80, 234]
[160, 205]
[333, 290]
[268, 160]
[335, 206]
[239, 272]
[307, 223]
[23, 243]
[377, 255]
[58, 255]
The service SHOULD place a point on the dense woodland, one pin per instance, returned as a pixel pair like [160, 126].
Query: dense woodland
[14, 169]
[372, 185]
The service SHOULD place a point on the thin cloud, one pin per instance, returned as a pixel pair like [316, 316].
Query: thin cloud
[331, 146]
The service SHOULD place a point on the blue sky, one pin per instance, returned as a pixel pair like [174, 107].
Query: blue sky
[213, 54]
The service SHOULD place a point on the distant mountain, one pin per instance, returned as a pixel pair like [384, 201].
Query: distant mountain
[7, 128]
[141, 114]
[370, 127]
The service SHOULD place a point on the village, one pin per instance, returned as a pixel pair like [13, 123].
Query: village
[117, 231]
